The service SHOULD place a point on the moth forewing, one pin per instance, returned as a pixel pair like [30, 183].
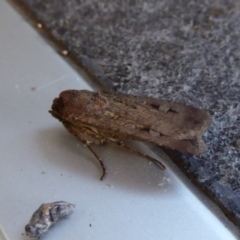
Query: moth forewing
[172, 119]
[120, 112]
[97, 118]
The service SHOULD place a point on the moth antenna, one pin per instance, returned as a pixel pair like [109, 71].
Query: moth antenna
[98, 158]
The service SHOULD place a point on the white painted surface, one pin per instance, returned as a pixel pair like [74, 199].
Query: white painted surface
[41, 162]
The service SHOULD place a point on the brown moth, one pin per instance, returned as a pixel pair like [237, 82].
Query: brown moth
[96, 118]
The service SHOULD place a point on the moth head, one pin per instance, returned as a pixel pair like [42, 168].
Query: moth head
[78, 102]
[64, 104]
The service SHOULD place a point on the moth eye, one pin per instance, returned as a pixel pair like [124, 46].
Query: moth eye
[130, 126]
[154, 133]
[163, 108]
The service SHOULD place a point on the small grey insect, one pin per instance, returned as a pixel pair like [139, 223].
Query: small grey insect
[45, 216]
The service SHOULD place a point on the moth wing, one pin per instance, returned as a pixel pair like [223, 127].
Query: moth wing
[176, 120]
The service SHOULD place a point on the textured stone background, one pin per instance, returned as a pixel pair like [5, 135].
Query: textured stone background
[187, 51]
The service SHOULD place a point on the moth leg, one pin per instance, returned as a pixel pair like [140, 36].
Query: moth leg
[121, 144]
[98, 158]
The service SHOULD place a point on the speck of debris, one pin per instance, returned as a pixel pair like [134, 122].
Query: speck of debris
[90, 225]
[33, 88]
[65, 52]
[39, 25]
[43, 172]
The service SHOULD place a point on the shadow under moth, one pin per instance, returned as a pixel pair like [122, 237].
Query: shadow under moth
[96, 118]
